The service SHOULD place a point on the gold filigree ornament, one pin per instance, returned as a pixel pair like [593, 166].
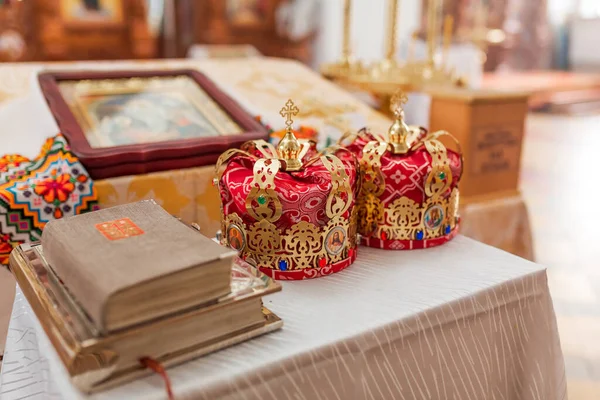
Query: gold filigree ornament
[404, 218]
[304, 248]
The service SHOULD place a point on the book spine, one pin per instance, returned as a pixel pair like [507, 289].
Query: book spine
[71, 271]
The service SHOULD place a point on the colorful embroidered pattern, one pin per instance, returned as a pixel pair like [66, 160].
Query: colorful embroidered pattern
[119, 229]
[33, 192]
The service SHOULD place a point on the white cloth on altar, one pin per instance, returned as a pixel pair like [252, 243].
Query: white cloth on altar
[459, 321]
[29, 122]
[26, 123]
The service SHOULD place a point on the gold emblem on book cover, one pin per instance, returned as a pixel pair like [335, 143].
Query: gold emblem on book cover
[119, 229]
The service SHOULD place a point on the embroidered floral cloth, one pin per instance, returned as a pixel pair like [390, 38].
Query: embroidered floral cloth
[33, 192]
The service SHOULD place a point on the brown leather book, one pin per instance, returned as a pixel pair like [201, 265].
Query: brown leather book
[129, 264]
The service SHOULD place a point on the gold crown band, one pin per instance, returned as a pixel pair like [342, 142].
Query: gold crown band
[303, 245]
[405, 219]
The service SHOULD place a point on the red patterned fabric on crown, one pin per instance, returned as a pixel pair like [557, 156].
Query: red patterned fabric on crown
[410, 200]
[291, 224]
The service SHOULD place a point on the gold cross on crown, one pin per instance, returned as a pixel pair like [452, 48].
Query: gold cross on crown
[287, 112]
[397, 102]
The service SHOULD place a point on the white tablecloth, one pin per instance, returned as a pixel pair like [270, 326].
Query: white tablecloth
[259, 85]
[461, 321]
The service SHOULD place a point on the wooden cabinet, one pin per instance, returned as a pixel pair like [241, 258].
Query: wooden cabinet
[236, 22]
[81, 29]
[15, 32]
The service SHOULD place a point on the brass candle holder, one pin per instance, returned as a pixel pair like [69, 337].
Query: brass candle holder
[347, 66]
[385, 77]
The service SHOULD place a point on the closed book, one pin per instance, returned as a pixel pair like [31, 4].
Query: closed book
[96, 361]
[132, 263]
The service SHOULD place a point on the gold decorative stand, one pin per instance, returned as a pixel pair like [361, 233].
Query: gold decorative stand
[383, 78]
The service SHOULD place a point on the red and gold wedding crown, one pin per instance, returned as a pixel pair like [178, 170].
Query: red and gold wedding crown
[409, 194]
[289, 210]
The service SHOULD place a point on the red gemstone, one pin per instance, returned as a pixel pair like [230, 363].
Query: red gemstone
[322, 262]
[384, 235]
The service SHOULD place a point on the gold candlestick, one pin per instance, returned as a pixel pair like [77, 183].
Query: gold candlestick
[392, 30]
[346, 51]
[346, 65]
[384, 77]
[448, 27]
[432, 30]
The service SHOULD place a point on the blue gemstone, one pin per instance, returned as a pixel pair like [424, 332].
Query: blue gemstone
[447, 230]
[283, 265]
[419, 235]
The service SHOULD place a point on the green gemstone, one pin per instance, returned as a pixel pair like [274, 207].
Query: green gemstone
[442, 175]
[261, 199]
